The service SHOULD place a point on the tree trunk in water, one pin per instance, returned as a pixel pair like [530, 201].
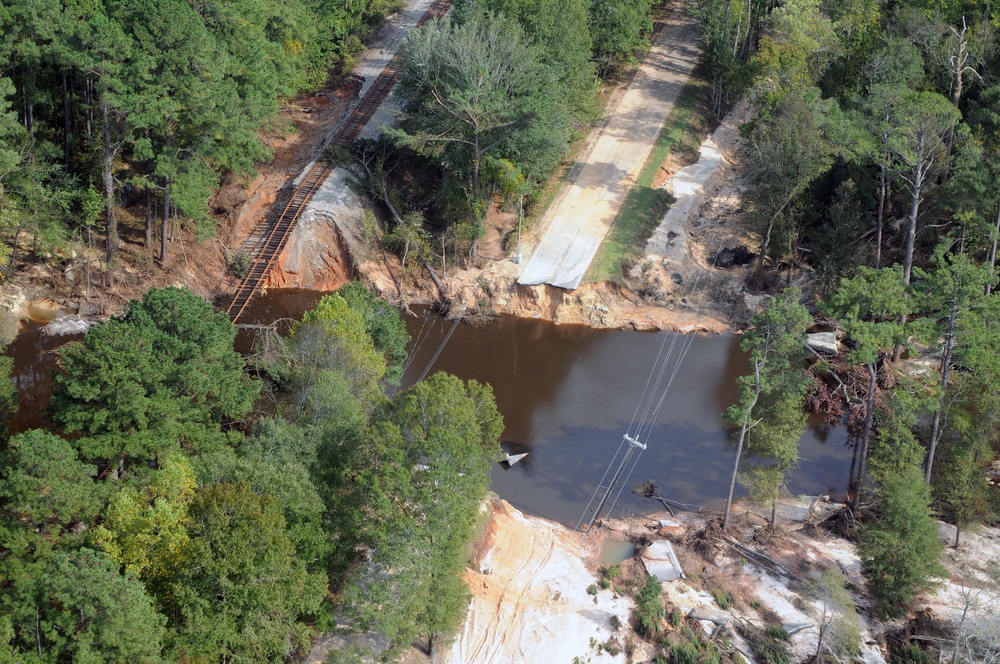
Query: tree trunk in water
[149, 218]
[165, 225]
[851, 478]
[866, 432]
[109, 187]
[758, 365]
[736, 467]
[945, 371]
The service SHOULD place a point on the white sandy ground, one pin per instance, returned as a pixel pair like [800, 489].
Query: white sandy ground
[968, 588]
[531, 605]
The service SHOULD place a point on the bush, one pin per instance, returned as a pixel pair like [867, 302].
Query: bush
[764, 646]
[723, 598]
[777, 632]
[611, 573]
[649, 611]
[350, 655]
[911, 654]
[592, 589]
[239, 263]
[684, 653]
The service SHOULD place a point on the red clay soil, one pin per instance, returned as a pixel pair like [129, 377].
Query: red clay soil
[294, 137]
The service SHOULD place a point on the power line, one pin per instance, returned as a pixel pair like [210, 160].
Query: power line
[444, 343]
[631, 443]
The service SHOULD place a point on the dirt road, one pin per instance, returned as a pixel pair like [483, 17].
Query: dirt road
[583, 213]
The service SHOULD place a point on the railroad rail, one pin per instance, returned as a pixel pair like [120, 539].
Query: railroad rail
[274, 237]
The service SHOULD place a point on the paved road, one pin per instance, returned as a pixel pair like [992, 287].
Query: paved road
[583, 213]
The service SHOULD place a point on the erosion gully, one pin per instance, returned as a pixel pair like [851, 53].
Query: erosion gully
[567, 393]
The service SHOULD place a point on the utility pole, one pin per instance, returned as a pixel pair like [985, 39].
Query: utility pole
[632, 447]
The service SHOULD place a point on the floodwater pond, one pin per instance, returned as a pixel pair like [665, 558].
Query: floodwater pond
[568, 393]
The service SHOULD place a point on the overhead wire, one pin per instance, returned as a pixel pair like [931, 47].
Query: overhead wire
[650, 413]
[422, 335]
[444, 342]
[644, 389]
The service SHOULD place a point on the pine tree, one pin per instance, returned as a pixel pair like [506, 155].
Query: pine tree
[772, 395]
[870, 308]
[900, 548]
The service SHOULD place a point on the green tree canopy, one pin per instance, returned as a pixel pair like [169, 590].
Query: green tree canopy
[559, 29]
[424, 471]
[161, 375]
[384, 325]
[244, 595]
[477, 95]
[336, 366]
[146, 530]
[45, 488]
[787, 153]
[617, 29]
[76, 606]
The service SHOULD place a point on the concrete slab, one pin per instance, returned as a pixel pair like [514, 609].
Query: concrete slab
[661, 562]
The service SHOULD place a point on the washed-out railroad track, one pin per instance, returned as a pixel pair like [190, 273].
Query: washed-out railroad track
[274, 237]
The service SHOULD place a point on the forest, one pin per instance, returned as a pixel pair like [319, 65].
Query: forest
[165, 517]
[871, 170]
[147, 105]
[186, 504]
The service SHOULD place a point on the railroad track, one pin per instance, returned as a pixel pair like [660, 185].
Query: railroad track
[273, 239]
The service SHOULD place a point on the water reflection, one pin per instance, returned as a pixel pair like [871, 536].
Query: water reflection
[35, 358]
[568, 393]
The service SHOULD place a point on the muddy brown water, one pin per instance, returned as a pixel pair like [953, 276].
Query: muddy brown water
[567, 393]
[34, 356]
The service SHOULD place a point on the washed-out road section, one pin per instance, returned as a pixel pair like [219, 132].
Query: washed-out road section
[586, 207]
